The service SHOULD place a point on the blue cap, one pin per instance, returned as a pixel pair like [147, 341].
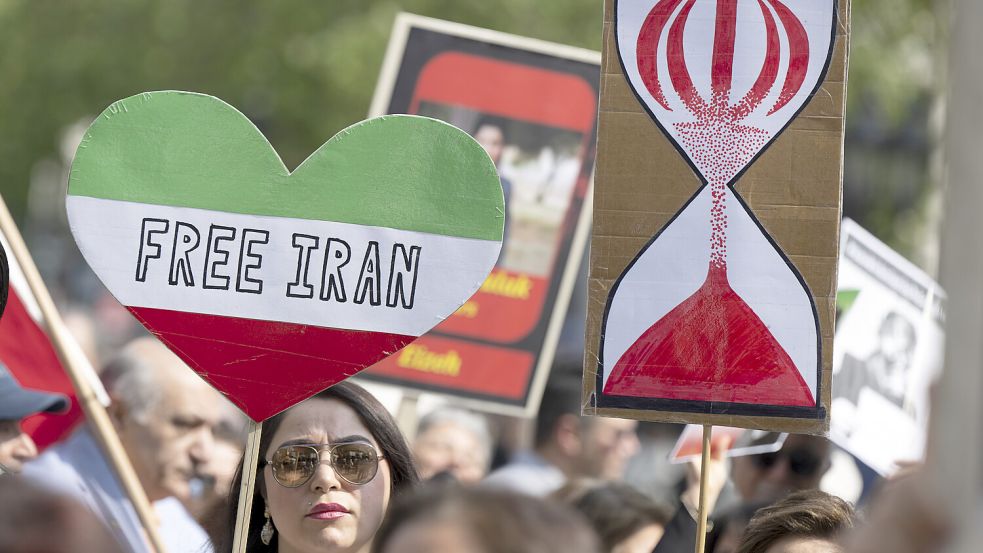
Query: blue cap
[17, 402]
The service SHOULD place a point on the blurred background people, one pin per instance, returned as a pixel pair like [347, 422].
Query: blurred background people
[36, 520]
[211, 487]
[16, 403]
[452, 519]
[453, 442]
[329, 466]
[625, 520]
[164, 415]
[568, 446]
[799, 465]
[808, 521]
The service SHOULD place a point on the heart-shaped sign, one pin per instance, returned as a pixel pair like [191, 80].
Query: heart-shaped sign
[271, 284]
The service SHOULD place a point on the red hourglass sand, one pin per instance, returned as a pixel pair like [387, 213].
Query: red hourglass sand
[711, 310]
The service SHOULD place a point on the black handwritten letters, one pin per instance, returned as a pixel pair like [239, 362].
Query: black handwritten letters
[324, 268]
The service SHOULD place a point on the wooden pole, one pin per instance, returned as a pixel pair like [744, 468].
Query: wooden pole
[95, 413]
[701, 525]
[250, 461]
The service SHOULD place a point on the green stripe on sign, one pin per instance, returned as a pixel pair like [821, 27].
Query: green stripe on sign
[185, 149]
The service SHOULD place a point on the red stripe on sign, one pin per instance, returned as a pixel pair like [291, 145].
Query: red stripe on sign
[265, 366]
[559, 99]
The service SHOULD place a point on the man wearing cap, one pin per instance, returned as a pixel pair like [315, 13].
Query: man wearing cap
[17, 402]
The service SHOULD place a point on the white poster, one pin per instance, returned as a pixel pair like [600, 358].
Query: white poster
[887, 351]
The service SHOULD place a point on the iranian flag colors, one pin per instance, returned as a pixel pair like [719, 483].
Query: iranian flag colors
[274, 285]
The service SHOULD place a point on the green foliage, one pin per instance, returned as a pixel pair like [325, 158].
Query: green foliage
[301, 69]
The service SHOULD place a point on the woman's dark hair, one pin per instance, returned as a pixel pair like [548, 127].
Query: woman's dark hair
[616, 510]
[498, 521]
[375, 417]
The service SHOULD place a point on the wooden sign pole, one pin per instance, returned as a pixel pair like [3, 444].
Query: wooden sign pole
[247, 486]
[701, 526]
[95, 413]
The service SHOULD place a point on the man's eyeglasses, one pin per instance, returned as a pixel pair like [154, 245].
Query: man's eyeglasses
[294, 465]
[801, 462]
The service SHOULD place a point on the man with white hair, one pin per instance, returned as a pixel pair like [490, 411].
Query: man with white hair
[453, 442]
[164, 415]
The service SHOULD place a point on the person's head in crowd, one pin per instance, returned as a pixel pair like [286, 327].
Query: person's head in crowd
[626, 520]
[452, 519]
[593, 447]
[34, 519]
[214, 482]
[729, 526]
[328, 468]
[16, 403]
[453, 441]
[799, 465]
[490, 135]
[807, 521]
[164, 415]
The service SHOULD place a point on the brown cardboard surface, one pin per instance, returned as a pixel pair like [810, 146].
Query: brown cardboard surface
[794, 189]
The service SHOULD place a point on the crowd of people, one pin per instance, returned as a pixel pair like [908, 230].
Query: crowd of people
[336, 474]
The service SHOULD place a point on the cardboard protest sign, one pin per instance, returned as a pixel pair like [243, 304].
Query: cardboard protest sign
[533, 106]
[689, 446]
[713, 254]
[889, 349]
[274, 284]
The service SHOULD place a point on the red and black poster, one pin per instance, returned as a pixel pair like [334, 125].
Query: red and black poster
[533, 106]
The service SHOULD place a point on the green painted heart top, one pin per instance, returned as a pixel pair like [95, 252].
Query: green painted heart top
[217, 159]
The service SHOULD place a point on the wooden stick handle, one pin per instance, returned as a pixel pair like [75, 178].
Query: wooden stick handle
[95, 413]
[701, 526]
[250, 461]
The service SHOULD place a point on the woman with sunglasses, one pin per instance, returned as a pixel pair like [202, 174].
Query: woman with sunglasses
[328, 469]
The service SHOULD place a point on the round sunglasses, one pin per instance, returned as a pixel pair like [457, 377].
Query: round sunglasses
[294, 465]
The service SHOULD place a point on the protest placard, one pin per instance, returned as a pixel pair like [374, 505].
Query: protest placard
[713, 254]
[273, 284]
[532, 105]
[889, 349]
[741, 441]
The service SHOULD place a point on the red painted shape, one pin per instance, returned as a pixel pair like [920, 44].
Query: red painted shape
[678, 73]
[647, 48]
[558, 101]
[29, 355]
[769, 69]
[798, 63]
[265, 366]
[711, 347]
[724, 35]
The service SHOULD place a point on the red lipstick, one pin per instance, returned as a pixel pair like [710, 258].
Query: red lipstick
[327, 511]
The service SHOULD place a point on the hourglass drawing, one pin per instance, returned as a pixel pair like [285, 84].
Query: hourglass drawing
[711, 316]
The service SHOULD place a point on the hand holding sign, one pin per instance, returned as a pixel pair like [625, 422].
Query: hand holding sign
[271, 284]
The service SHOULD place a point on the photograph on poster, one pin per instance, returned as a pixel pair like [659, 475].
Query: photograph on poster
[539, 167]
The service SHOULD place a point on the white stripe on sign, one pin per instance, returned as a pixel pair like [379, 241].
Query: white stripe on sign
[327, 274]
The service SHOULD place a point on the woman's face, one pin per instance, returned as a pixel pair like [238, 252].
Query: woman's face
[357, 510]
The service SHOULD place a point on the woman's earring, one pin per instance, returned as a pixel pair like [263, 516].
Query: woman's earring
[266, 534]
